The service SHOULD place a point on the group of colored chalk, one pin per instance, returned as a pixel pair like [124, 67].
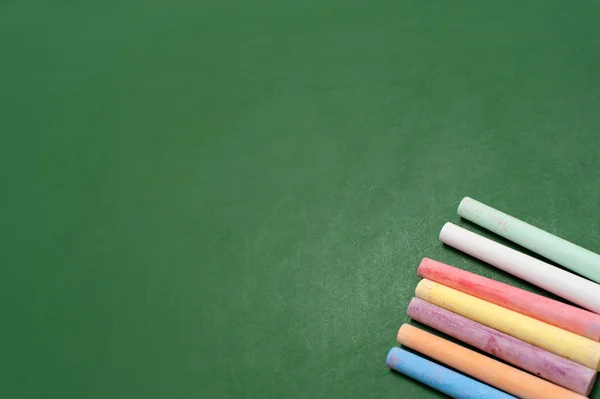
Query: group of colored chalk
[546, 348]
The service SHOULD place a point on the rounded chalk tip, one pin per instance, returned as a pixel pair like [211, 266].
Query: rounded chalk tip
[392, 356]
[400, 332]
[413, 307]
[590, 386]
[422, 265]
[464, 203]
[445, 228]
[404, 332]
[424, 287]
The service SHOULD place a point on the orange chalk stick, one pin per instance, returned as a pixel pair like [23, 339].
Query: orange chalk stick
[483, 368]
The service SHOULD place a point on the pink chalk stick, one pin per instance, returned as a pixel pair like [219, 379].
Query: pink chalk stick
[544, 364]
[549, 311]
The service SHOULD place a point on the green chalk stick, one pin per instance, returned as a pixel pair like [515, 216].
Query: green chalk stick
[563, 252]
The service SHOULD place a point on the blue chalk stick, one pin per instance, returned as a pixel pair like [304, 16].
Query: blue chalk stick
[438, 377]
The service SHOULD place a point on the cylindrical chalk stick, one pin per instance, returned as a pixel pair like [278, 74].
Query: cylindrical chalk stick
[483, 368]
[537, 361]
[563, 252]
[567, 285]
[567, 317]
[438, 377]
[564, 343]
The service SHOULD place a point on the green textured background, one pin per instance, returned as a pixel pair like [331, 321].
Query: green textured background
[229, 199]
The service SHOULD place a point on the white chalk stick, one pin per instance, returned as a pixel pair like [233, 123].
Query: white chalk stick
[567, 285]
[563, 252]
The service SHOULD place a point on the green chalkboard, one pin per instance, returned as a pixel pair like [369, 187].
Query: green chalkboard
[229, 199]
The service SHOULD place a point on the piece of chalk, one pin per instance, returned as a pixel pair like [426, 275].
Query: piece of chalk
[439, 377]
[566, 285]
[563, 252]
[556, 340]
[537, 361]
[483, 368]
[567, 317]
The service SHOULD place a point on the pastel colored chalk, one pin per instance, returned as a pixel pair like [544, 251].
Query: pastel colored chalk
[567, 317]
[567, 285]
[537, 361]
[440, 378]
[556, 340]
[563, 252]
[487, 370]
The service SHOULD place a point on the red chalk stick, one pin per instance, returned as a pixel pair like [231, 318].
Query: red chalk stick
[558, 314]
[544, 364]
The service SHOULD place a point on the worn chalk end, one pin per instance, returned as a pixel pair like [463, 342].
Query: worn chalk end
[463, 206]
[392, 357]
[447, 226]
[591, 385]
[402, 332]
[422, 265]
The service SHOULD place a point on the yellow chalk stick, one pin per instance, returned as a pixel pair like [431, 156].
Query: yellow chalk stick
[564, 343]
